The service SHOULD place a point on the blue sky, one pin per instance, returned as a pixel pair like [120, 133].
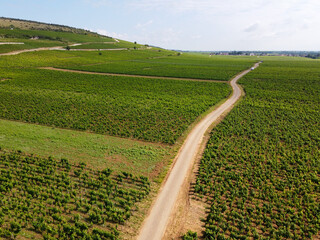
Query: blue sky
[186, 24]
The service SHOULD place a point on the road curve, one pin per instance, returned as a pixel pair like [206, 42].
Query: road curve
[155, 224]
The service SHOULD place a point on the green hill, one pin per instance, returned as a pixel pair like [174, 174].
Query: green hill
[16, 34]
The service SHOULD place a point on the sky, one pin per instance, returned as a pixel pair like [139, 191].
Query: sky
[200, 25]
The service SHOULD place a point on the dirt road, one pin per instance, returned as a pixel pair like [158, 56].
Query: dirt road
[155, 224]
[130, 75]
[31, 50]
[54, 48]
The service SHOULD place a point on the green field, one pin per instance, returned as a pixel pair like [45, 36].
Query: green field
[63, 133]
[260, 170]
[97, 151]
[147, 109]
[66, 37]
[155, 110]
[135, 62]
[59, 200]
[47, 39]
[108, 45]
[28, 44]
[183, 66]
[74, 58]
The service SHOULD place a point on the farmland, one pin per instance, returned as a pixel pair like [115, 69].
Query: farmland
[66, 37]
[96, 150]
[107, 45]
[42, 38]
[260, 169]
[28, 44]
[155, 110]
[58, 200]
[80, 153]
[189, 66]
[146, 109]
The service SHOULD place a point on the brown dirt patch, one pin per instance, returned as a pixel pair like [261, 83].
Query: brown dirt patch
[188, 212]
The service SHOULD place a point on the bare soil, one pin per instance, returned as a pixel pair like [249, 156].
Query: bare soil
[159, 223]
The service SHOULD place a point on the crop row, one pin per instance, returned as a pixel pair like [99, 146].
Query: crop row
[260, 171]
[52, 35]
[107, 45]
[75, 58]
[63, 201]
[149, 109]
[174, 66]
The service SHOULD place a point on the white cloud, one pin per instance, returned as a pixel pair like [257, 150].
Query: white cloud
[112, 34]
[232, 24]
[252, 27]
[122, 36]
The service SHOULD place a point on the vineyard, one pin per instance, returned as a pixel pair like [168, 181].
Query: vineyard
[43, 38]
[58, 200]
[96, 150]
[28, 44]
[148, 109]
[189, 66]
[52, 35]
[107, 45]
[155, 110]
[75, 58]
[260, 169]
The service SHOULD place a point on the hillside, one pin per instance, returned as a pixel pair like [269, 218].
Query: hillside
[16, 35]
[33, 25]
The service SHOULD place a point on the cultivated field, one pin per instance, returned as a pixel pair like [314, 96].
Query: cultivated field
[156, 110]
[182, 66]
[59, 200]
[96, 150]
[59, 131]
[147, 109]
[260, 169]
[108, 45]
[35, 38]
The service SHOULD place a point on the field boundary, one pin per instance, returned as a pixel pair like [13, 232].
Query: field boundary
[130, 75]
[63, 48]
[156, 223]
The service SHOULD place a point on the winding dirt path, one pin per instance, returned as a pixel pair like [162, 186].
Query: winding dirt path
[31, 50]
[129, 75]
[156, 223]
[59, 48]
